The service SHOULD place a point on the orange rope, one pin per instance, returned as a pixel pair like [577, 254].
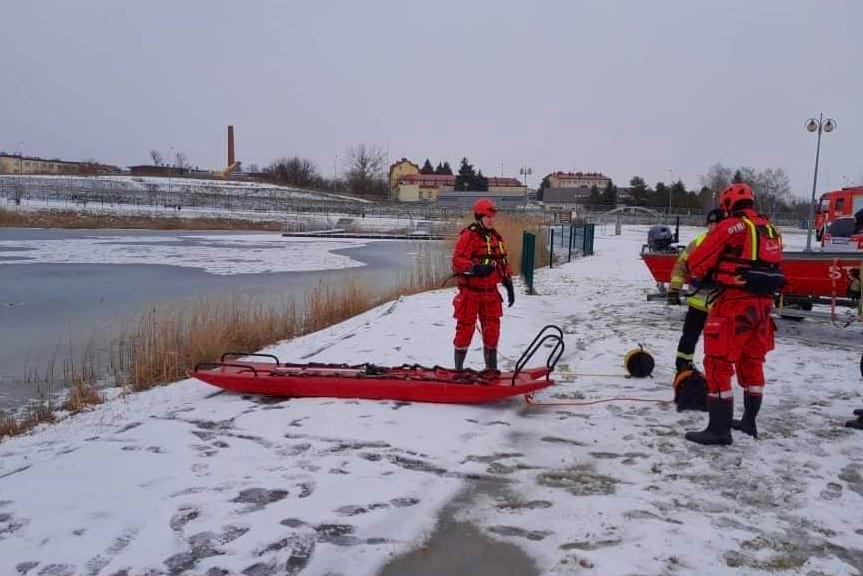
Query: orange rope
[529, 399]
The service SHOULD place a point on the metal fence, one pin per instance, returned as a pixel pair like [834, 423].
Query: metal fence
[566, 241]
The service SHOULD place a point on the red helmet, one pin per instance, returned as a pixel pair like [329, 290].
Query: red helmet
[734, 194]
[484, 207]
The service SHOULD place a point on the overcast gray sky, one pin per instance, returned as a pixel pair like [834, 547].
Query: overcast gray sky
[651, 88]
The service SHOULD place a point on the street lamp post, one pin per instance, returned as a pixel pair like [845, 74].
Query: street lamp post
[335, 174]
[670, 190]
[21, 157]
[820, 125]
[525, 171]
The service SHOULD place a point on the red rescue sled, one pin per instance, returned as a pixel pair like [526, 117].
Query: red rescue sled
[407, 383]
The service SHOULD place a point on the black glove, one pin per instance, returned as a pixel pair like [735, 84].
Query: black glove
[481, 270]
[673, 298]
[510, 292]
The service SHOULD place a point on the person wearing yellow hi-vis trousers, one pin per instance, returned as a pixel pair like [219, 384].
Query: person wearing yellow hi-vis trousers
[697, 300]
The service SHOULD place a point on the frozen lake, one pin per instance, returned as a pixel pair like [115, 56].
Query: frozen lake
[61, 290]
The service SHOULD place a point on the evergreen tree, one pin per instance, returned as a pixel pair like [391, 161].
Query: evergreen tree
[480, 183]
[738, 177]
[466, 179]
[660, 196]
[446, 169]
[639, 193]
[609, 195]
[427, 168]
[678, 195]
[594, 198]
[705, 198]
[439, 168]
[541, 190]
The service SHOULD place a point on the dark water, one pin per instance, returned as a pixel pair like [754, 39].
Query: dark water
[51, 312]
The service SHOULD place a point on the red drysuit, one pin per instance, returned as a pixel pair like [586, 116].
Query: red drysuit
[478, 296]
[742, 255]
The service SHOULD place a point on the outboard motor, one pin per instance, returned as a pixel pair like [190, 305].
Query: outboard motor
[660, 239]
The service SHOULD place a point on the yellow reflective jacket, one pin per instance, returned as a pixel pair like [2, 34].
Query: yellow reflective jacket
[699, 298]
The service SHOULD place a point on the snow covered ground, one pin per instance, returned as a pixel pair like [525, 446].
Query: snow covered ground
[172, 184]
[188, 480]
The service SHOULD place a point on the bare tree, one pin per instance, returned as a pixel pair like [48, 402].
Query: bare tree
[365, 172]
[773, 188]
[718, 178]
[181, 161]
[157, 157]
[294, 171]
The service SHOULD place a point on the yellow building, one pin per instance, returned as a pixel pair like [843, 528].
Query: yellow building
[423, 187]
[427, 187]
[577, 180]
[399, 170]
[26, 165]
[10, 164]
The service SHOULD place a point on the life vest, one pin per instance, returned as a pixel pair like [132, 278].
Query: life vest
[493, 249]
[754, 266]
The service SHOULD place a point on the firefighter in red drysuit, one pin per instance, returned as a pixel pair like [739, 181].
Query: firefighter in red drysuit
[743, 256]
[480, 263]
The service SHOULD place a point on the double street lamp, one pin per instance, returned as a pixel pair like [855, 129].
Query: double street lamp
[819, 125]
[525, 171]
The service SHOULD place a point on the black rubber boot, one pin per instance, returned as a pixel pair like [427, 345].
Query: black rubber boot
[460, 355]
[856, 424]
[490, 358]
[681, 364]
[751, 406]
[718, 431]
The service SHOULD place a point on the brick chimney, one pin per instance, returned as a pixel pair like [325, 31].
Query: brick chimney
[231, 157]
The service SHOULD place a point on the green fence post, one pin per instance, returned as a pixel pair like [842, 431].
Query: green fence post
[587, 246]
[528, 245]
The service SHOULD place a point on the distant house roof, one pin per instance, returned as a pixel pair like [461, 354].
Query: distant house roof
[577, 175]
[459, 199]
[152, 170]
[400, 162]
[433, 180]
[37, 159]
[565, 195]
[503, 182]
[449, 180]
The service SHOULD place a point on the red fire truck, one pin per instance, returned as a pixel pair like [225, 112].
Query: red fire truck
[837, 204]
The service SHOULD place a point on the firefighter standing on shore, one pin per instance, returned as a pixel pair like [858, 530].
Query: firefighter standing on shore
[743, 256]
[696, 315]
[480, 263]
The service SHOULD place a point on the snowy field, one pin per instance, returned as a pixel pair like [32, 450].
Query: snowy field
[188, 480]
[164, 184]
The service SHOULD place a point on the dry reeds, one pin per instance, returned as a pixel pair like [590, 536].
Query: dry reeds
[83, 382]
[10, 425]
[165, 343]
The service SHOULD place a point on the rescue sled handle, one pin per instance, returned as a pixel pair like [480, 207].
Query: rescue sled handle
[244, 354]
[548, 333]
[242, 367]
